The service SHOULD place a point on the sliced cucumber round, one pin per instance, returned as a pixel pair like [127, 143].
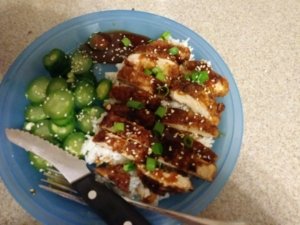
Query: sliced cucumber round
[81, 63]
[61, 132]
[64, 121]
[103, 89]
[85, 94]
[87, 117]
[59, 104]
[35, 113]
[39, 163]
[42, 129]
[57, 62]
[36, 91]
[57, 83]
[73, 143]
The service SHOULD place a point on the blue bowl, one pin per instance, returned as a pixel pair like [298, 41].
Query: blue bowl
[19, 176]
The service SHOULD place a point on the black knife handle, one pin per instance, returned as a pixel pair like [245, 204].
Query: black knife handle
[110, 206]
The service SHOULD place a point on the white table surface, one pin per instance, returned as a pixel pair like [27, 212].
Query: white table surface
[260, 42]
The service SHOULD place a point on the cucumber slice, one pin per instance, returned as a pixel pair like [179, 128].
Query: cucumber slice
[89, 76]
[35, 113]
[36, 91]
[103, 89]
[73, 143]
[80, 63]
[56, 83]
[61, 132]
[39, 163]
[57, 62]
[84, 93]
[87, 117]
[64, 121]
[42, 129]
[59, 104]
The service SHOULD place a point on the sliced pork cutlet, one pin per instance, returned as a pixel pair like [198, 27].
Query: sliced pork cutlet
[143, 116]
[195, 159]
[166, 69]
[131, 150]
[161, 49]
[194, 96]
[161, 181]
[121, 180]
[216, 85]
[138, 79]
[132, 131]
[116, 174]
[188, 121]
[124, 93]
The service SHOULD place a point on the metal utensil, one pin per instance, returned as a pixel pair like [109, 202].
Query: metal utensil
[112, 208]
[55, 183]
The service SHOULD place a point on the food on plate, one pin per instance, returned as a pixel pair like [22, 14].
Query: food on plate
[148, 128]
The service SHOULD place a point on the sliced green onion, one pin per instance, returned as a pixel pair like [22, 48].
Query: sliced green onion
[135, 104]
[188, 141]
[173, 51]
[126, 42]
[157, 148]
[156, 70]
[163, 90]
[165, 35]
[203, 77]
[161, 111]
[160, 76]
[148, 72]
[151, 164]
[130, 166]
[118, 127]
[158, 128]
[199, 77]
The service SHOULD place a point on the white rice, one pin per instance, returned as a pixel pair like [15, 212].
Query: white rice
[100, 152]
[96, 122]
[119, 66]
[112, 76]
[184, 43]
[206, 141]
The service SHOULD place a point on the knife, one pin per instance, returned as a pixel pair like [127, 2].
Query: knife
[110, 206]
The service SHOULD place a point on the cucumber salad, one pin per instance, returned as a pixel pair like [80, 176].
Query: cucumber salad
[63, 107]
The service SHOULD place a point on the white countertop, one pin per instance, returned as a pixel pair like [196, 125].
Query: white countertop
[260, 42]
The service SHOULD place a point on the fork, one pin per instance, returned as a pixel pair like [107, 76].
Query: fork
[55, 182]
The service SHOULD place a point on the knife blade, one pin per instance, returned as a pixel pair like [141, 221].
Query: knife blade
[110, 206]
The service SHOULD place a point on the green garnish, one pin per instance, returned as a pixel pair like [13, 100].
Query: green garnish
[148, 72]
[157, 148]
[130, 166]
[188, 141]
[161, 111]
[199, 77]
[135, 104]
[156, 70]
[118, 127]
[151, 164]
[165, 35]
[158, 128]
[160, 76]
[126, 42]
[173, 51]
